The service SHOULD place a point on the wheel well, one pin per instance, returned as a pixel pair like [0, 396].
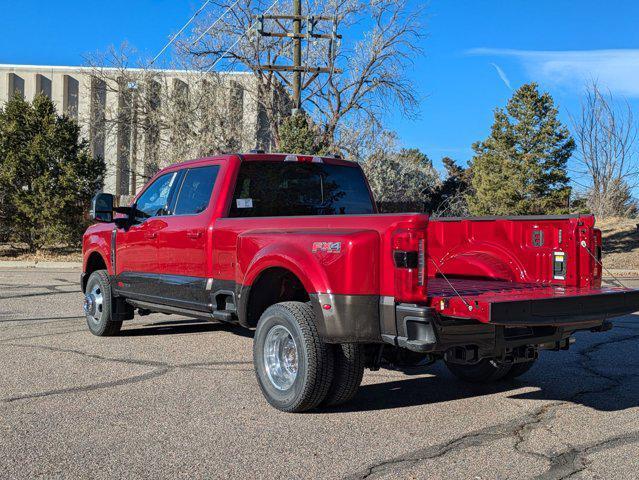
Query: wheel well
[95, 262]
[274, 285]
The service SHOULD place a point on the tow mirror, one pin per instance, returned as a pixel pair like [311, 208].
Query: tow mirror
[102, 208]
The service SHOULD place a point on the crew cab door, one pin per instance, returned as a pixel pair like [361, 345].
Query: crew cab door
[136, 246]
[184, 242]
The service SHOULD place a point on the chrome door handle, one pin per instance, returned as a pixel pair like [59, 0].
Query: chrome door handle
[194, 234]
[151, 235]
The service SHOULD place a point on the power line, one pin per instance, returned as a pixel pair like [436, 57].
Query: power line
[240, 38]
[214, 23]
[180, 31]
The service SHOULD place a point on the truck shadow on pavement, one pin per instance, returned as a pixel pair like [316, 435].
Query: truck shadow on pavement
[177, 327]
[600, 372]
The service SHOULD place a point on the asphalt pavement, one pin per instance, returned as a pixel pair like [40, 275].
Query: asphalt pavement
[176, 398]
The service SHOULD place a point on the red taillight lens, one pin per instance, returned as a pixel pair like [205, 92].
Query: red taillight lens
[597, 271]
[409, 256]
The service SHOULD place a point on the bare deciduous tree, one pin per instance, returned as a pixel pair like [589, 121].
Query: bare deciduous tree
[608, 161]
[374, 66]
[161, 116]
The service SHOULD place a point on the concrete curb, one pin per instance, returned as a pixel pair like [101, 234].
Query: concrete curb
[36, 264]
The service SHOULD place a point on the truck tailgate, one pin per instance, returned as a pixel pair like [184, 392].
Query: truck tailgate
[509, 303]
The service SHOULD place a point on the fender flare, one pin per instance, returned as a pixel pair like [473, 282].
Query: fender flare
[299, 262]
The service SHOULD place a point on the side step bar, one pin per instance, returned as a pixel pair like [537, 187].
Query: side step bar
[218, 315]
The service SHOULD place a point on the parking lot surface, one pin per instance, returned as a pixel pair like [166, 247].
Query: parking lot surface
[172, 397]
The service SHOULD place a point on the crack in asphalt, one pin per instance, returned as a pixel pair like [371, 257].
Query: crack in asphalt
[473, 439]
[51, 291]
[562, 464]
[28, 337]
[87, 388]
[41, 319]
[615, 381]
[160, 368]
[575, 460]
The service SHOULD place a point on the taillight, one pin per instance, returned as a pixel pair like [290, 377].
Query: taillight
[597, 267]
[409, 256]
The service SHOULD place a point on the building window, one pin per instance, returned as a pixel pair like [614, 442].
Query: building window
[43, 85]
[70, 96]
[16, 85]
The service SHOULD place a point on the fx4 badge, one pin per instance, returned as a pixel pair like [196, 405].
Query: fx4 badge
[327, 247]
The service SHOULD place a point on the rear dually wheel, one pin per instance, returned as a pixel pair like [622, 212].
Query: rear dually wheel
[294, 367]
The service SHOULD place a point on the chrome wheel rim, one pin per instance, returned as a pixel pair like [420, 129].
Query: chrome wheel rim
[94, 304]
[280, 357]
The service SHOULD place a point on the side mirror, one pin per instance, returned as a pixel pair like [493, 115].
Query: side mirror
[102, 208]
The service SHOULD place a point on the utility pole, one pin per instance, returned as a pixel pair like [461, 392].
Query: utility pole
[297, 54]
[303, 29]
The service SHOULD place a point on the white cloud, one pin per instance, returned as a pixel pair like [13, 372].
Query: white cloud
[617, 70]
[502, 75]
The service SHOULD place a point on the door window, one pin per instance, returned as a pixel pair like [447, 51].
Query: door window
[195, 193]
[154, 200]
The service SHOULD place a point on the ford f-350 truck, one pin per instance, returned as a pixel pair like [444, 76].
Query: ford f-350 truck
[293, 246]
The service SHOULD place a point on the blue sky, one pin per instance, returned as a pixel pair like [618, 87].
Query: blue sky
[476, 52]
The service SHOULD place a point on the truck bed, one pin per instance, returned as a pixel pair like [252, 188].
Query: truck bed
[512, 303]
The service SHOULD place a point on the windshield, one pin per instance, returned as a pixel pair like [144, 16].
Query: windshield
[272, 189]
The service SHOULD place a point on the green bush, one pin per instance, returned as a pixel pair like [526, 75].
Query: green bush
[47, 175]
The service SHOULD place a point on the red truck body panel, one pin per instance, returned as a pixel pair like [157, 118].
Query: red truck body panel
[503, 249]
[481, 269]
[364, 266]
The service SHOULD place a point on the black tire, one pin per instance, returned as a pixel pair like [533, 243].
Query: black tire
[348, 373]
[314, 358]
[99, 318]
[519, 369]
[486, 370]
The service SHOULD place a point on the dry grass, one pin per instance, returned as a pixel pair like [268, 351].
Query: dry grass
[58, 254]
[620, 243]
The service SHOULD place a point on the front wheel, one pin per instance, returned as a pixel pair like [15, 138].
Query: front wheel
[294, 367]
[486, 370]
[97, 305]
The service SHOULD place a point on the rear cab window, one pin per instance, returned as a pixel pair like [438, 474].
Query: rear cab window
[273, 189]
[195, 192]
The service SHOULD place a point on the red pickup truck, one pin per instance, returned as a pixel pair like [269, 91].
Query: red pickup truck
[293, 246]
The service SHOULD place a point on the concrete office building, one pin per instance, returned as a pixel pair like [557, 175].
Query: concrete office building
[77, 92]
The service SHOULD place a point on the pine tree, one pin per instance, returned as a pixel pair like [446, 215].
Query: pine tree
[521, 167]
[449, 197]
[299, 135]
[47, 175]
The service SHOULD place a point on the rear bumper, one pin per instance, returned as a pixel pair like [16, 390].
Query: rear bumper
[421, 329]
